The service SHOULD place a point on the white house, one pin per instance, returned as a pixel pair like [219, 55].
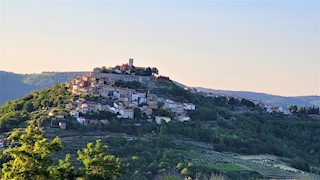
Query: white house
[127, 113]
[81, 120]
[114, 110]
[116, 94]
[142, 100]
[169, 104]
[133, 104]
[134, 97]
[74, 113]
[118, 71]
[75, 88]
[84, 105]
[158, 119]
[141, 94]
[115, 105]
[268, 108]
[59, 116]
[183, 118]
[279, 109]
[189, 106]
[62, 125]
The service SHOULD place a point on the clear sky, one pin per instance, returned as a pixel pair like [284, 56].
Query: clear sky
[263, 46]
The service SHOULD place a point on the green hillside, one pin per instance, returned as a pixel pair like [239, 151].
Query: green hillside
[212, 142]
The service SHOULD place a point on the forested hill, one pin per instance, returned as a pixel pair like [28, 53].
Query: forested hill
[13, 86]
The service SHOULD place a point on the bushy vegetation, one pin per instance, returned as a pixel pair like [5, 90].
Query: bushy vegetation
[33, 106]
[30, 157]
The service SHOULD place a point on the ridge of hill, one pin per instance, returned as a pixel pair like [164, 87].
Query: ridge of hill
[275, 100]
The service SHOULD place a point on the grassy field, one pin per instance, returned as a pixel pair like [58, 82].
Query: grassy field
[226, 167]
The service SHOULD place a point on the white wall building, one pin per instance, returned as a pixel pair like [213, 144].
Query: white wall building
[81, 120]
[127, 113]
[183, 118]
[116, 94]
[189, 106]
[142, 100]
[134, 97]
[159, 119]
[74, 113]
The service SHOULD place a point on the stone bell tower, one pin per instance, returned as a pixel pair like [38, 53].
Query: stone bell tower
[130, 62]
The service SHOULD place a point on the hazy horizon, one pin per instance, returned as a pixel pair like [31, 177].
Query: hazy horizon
[269, 47]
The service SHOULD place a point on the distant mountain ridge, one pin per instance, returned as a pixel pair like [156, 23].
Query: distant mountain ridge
[13, 86]
[268, 98]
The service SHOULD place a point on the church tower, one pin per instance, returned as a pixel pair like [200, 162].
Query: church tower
[130, 62]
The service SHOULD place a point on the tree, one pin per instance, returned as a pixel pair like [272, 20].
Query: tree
[292, 108]
[28, 106]
[137, 114]
[64, 170]
[248, 103]
[103, 69]
[184, 171]
[148, 71]
[301, 110]
[30, 153]
[98, 164]
[155, 70]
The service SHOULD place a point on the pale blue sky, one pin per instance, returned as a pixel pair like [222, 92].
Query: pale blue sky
[268, 46]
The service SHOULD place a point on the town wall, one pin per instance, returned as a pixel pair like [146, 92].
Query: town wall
[123, 77]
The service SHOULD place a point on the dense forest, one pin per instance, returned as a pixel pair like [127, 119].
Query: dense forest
[149, 150]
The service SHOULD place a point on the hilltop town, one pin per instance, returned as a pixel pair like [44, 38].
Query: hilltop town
[123, 91]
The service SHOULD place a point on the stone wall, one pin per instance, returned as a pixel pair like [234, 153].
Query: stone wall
[124, 77]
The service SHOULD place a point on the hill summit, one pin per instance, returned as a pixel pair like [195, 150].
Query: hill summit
[127, 89]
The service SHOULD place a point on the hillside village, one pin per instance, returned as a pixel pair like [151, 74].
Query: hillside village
[102, 82]
[124, 102]
[266, 107]
[124, 91]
